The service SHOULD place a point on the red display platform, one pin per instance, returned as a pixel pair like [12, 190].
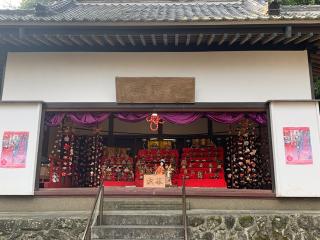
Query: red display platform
[118, 183]
[211, 183]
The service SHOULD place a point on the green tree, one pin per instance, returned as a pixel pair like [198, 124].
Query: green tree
[29, 4]
[300, 2]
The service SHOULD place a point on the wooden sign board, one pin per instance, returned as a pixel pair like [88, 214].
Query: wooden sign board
[154, 181]
[155, 89]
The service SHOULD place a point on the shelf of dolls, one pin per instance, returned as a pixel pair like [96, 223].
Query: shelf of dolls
[197, 169]
[210, 183]
[202, 165]
[195, 175]
[64, 182]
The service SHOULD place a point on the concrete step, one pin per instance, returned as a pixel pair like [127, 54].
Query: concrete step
[144, 205]
[154, 232]
[160, 218]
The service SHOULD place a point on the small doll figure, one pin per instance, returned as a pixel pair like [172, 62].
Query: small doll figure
[168, 171]
[160, 169]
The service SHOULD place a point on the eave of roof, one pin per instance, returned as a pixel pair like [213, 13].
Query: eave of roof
[144, 12]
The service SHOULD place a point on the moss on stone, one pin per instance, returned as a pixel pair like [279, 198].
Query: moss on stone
[229, 221]
[214, 221]
[246, 221]
[279, 222]
[195, 221]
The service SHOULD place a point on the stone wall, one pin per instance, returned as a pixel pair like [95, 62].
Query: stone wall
[254, 226]
[42, 228]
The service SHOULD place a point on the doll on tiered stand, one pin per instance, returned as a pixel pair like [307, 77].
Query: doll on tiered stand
[160, 169]
[168, 172]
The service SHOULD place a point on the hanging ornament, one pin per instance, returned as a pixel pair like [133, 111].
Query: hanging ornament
[154, 120]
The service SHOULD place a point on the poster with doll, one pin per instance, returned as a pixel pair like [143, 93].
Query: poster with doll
[297, 145]
[14, 149]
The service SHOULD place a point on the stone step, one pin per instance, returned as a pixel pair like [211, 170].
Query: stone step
[160, 218]
[149, 232]
[144, 205]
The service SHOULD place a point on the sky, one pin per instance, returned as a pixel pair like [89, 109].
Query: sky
[9, 3]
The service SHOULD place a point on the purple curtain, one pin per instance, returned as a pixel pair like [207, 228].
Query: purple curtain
[88, 118]
[260, 118]
[227, 117]
[181, 118]
[131, 117]
[54, 119]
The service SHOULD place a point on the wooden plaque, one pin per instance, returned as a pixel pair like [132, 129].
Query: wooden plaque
[155, 89]
[154, 181]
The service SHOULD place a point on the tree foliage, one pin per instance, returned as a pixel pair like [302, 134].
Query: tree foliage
[300, 2]
[29, 4]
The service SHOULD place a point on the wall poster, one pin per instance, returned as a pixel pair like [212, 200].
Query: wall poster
[14, 149]
[297, 145]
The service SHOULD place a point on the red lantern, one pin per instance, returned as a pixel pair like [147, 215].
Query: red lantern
[154, 120]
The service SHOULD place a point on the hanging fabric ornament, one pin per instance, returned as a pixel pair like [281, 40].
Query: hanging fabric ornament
[154, 120]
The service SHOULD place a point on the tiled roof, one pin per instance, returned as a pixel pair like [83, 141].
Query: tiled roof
[155, 11]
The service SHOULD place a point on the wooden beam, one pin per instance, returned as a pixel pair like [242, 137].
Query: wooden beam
[143, 41]
[52, 40]
[65, 41]
[154, 40]
[165, 39]
[247, 38]
[108, 40]
[314, 38]
[199, 39]
[234, 39]
[292, 38]
[279, 39]
[176, 39]
[97, 40]
[17, 40]
[270, 38]
[8, 41]
[119, 39]
[38, 38]
[223, 38]
[131, 40]
[257, 38]
[304, 38]
[86, 40]
[188, 39]
[33, 41]
[211, 39]
[75, 40]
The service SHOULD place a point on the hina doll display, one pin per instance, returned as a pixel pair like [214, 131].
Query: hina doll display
[160, 169]
[244, 162]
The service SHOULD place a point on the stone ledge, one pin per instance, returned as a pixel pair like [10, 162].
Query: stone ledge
[50, 227]
[254, 227]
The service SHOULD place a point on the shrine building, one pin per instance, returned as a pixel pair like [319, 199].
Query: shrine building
[160, 119]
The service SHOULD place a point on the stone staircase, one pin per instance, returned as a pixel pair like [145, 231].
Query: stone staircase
[141, 219]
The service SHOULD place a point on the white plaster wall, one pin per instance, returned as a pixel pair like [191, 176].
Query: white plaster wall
[220, 76]
[295, 180]
[20, 117]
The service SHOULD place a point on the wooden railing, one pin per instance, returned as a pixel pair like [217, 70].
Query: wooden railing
[184, 210]
[96, 211]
